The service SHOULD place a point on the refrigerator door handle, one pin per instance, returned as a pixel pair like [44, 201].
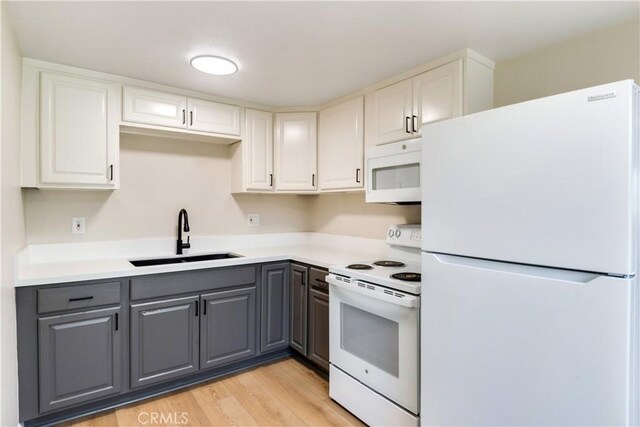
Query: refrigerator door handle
[519, 269]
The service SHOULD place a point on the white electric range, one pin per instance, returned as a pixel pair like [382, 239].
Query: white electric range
[374, 310]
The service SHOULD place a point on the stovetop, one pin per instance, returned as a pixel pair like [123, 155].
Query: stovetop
[382, 273]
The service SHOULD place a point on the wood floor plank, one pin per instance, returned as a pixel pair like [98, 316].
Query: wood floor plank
[235, 413]
[260, 402]
[285, 393]
[306, 404]
[138, 414]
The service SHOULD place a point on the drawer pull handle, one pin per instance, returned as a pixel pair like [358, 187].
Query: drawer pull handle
[321, 281]
[80, 299]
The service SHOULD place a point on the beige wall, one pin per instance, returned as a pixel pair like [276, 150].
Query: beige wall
[158, 177]
[591, 59]
[344, 213]
[12, 223]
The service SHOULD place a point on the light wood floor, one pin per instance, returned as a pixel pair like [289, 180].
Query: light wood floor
[285, 393]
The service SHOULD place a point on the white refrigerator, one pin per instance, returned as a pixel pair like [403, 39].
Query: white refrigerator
[530, 301]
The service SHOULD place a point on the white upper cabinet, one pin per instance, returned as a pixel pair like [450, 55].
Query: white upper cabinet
[79, 136]
[399, 111]
[393, 111]
[437, 94]
[295, 152]
[341, 146]
[207, 116]
[165, 109]
[154, 108]
[252, 158]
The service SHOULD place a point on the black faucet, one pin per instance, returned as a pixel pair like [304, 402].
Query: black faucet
[180, 246]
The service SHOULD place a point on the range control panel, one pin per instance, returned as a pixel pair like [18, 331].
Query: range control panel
[405, 235]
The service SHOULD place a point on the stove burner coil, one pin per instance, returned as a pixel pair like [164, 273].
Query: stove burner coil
[387, 263]
[407, 277]
[359, 267]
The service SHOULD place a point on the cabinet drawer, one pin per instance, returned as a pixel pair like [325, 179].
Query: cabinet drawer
[78, 296]
[317, 278]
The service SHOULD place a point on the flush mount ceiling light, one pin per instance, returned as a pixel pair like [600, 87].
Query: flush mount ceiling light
[214, 65]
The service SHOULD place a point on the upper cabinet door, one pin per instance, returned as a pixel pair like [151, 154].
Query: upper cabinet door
[79, 136]
[438, 93]
[341, 146]
[154, 108]
[392, 112]
[207, 116]
[258, 150]
[295, 152]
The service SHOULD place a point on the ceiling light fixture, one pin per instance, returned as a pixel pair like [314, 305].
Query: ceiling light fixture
[214, 65]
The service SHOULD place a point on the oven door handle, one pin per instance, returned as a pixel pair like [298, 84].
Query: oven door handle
[408, 301]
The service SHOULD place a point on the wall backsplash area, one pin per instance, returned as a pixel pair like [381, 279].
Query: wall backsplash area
[159, 176]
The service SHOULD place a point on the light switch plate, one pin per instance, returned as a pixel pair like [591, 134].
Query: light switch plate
[77, 225]
[253, 220]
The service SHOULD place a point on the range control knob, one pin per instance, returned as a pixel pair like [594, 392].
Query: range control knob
[390, 233]
[398, 233]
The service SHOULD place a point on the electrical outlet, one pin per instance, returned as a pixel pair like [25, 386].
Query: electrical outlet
[253, 220]
[77, 225]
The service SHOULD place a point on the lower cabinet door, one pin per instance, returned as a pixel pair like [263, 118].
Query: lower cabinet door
[319, 328]
[298, 308]
[79, 357]
[274, 307]
[164, 340]
[227, 327]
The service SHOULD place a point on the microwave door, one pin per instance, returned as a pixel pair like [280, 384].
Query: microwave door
[394, 178]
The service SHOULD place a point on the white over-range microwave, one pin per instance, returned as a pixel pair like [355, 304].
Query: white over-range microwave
[393, 173]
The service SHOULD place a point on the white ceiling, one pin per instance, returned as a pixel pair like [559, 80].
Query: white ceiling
[292, 53]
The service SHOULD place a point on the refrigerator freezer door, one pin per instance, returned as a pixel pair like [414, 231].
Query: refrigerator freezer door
[504, 345]
[548, 182]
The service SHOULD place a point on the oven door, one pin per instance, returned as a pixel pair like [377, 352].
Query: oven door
[393, 173]
[374, 338]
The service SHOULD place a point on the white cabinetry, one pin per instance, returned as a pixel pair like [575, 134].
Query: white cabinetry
[437, 94]
[207, 116]
[165, 109]
[252, 158]
[70, 131]
[154, 108]
[341, 146]
[295, 152]
[393, 111]
[398, 111]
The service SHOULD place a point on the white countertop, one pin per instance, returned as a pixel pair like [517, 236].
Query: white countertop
[72, 262]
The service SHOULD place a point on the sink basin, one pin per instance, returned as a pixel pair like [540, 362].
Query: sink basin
[183, 259]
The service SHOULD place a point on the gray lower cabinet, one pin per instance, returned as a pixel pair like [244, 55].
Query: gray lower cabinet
[164, 340]
[298, 308]
[318, 338]
[227, 327]
[309, 313]
[274, 307]
[79, 357]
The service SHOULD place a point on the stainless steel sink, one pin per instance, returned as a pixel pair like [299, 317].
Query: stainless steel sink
[183, 259]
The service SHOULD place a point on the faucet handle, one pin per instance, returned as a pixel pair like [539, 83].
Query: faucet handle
[188, 244]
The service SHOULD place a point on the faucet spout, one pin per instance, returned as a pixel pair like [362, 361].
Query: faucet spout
[183, 225]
